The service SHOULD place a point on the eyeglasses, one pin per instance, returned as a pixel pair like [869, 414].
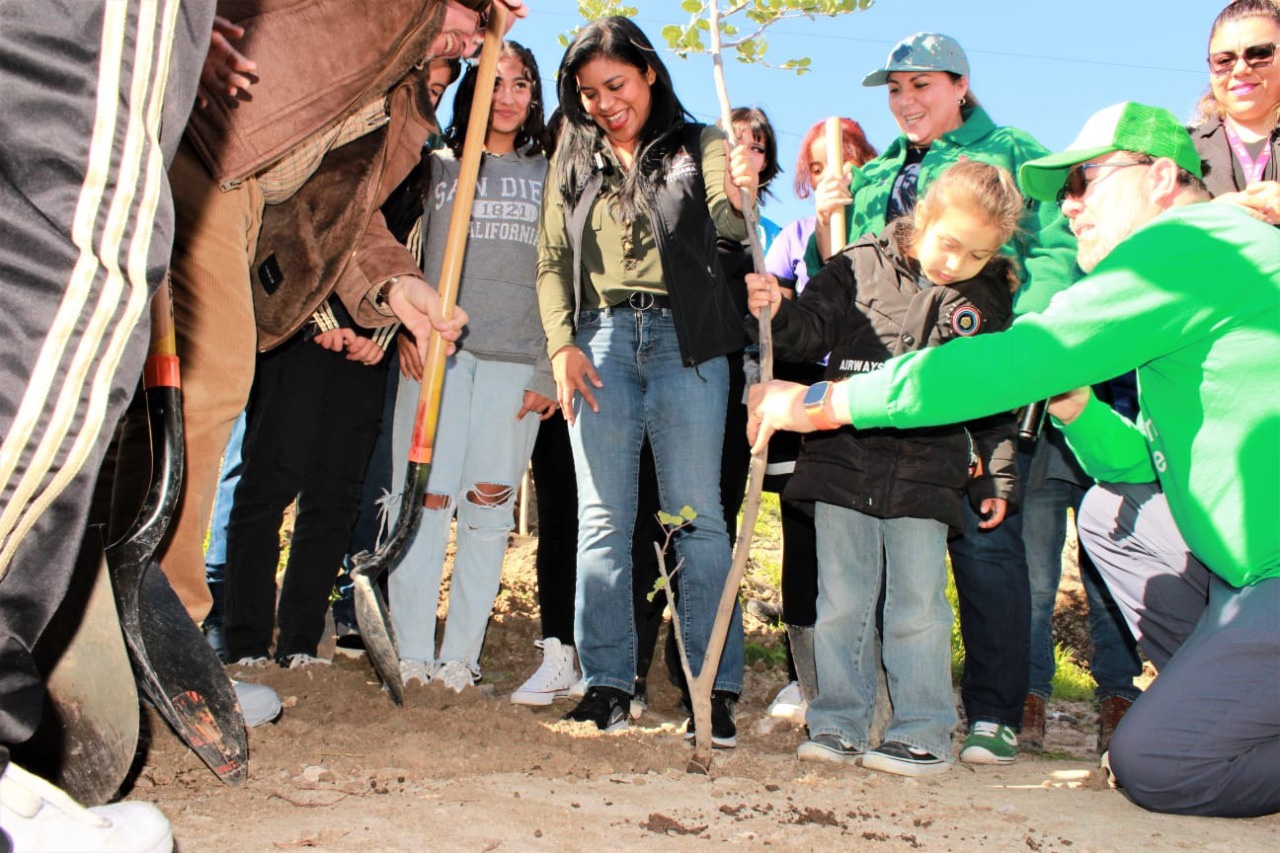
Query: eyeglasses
[1255, 56]
[1077, 183]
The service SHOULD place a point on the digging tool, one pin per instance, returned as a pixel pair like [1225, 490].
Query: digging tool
[89, 734]
[367, 568]
[178, 671]
[835, 164]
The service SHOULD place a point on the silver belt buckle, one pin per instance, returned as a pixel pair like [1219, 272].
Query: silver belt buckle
[640, 301]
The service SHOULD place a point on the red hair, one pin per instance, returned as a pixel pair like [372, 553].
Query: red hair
[857, 150]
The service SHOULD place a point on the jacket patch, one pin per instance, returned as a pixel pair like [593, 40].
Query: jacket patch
[966, 320]
[270, 274]
[682, 166]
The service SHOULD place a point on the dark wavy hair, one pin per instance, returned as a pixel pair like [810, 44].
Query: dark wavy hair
[580, 139]
[532, 133]
[753, 119]
[1208, 106]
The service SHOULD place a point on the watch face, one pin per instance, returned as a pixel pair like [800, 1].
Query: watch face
[815, 394]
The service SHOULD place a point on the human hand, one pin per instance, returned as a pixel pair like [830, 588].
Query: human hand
[418, 307]
[739, 175]
[334, 340]
[992, 511]
[763, 291]
[543, 407]
[1261, 199]
[574, 373]
[1066, 407]
[410, 362]
[225, 68]
[772, 406]
[364, 350]
[832, 193]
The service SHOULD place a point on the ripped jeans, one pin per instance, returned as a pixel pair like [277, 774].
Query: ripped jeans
[480, 453]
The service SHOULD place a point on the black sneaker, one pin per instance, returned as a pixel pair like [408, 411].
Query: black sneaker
[724, 722]
[604, 706]
[896, 757]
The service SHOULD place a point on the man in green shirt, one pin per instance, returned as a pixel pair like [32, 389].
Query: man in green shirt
[1186, 529]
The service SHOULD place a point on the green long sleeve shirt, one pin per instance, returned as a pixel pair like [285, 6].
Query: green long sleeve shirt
[1192, 300]
[609, 273]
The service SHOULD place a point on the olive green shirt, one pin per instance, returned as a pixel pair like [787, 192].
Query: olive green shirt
[609, 271]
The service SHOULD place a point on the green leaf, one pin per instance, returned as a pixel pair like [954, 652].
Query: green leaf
[688, 513]
[666, 519]
[693, 7]
[658, 583]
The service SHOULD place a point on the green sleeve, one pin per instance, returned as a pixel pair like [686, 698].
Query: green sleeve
[728, 221]
[555, 269]
[1110, 447]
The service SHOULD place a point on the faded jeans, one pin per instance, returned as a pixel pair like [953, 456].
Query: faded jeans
[478, 441]
[857, 553]
[646, 388]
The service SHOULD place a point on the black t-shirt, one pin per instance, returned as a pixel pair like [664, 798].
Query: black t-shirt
[902, 198]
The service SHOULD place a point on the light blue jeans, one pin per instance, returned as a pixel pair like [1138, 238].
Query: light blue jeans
[856, 553]
[646, 388]
[478, 441]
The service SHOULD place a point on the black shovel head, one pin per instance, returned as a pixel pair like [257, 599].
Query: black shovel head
[89, 733]
[181, 676]
[375, 629]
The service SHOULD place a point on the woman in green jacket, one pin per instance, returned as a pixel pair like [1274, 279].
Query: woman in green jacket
[927, 76]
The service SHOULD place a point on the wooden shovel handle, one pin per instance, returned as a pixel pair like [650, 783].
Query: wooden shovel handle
[427, 417]
[161, 367]
[835, 163]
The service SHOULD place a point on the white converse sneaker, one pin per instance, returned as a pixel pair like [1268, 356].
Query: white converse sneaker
[416, 670]
[37, 816]
[301, 660]
[456, 675]
[553, 679]
[789, 704]
[259, 704]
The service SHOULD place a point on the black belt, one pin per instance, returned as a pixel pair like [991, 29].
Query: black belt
[642, 301]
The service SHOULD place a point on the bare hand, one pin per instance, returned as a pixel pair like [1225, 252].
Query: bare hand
[543, 407]
[225, 68]
[739, 175]
[1262, 199]
[763, 291]
[574, 373]
[410, 362]
[335, 340]
[1068, 406]
[364, 350]
[992, 511]
[773, 406]
[832, 193]
[418, 307]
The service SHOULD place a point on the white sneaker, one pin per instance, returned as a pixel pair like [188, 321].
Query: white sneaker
[416, 670]
[253, 662]
[578, 690]
[37, 816]
[789, 704]
[456, 675]
[259, 704]
[553, 679]
[299, 660]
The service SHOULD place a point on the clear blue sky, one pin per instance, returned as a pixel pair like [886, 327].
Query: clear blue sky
[1041, 66]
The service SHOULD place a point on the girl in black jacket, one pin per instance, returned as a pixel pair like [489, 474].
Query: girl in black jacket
[886, 499]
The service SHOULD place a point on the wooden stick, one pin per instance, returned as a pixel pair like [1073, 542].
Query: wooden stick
[835, 163]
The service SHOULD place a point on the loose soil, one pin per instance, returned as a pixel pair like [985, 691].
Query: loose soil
[345, 769]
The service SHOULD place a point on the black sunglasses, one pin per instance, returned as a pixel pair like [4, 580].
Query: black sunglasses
[1255, 56]
[1077, 182]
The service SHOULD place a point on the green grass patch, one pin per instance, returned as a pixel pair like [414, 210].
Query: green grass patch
[773, 654]
[1071, 681]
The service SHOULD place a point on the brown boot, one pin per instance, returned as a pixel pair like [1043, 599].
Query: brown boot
[1031, 738]
[1110, 712]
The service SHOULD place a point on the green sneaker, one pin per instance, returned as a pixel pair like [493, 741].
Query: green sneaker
[989, 743]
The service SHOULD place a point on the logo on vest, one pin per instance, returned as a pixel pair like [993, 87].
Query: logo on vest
[966, 321]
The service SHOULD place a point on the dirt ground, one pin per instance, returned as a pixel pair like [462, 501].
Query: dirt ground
[344, 769]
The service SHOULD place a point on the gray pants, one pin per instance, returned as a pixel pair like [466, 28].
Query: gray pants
[1204, 739]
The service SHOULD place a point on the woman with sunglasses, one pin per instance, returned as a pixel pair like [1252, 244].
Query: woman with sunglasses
[927, 76]
[1238, 136]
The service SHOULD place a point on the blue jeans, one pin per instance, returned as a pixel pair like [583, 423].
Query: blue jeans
[647, 389]
[215, 556]
[480, 453]
[990, 568]
[856, 552]
[1115, 654]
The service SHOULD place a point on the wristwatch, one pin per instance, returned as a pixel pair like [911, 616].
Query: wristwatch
[382, 299]
[815, 406]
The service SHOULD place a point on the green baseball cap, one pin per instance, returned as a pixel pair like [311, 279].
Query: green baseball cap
[921, 52]
[1153, 131]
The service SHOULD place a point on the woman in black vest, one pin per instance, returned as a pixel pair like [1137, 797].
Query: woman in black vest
[638, 319]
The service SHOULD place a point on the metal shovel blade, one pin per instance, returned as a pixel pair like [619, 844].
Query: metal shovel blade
[375, 628]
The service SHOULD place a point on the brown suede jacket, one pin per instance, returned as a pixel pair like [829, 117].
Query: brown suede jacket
[319, 61]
